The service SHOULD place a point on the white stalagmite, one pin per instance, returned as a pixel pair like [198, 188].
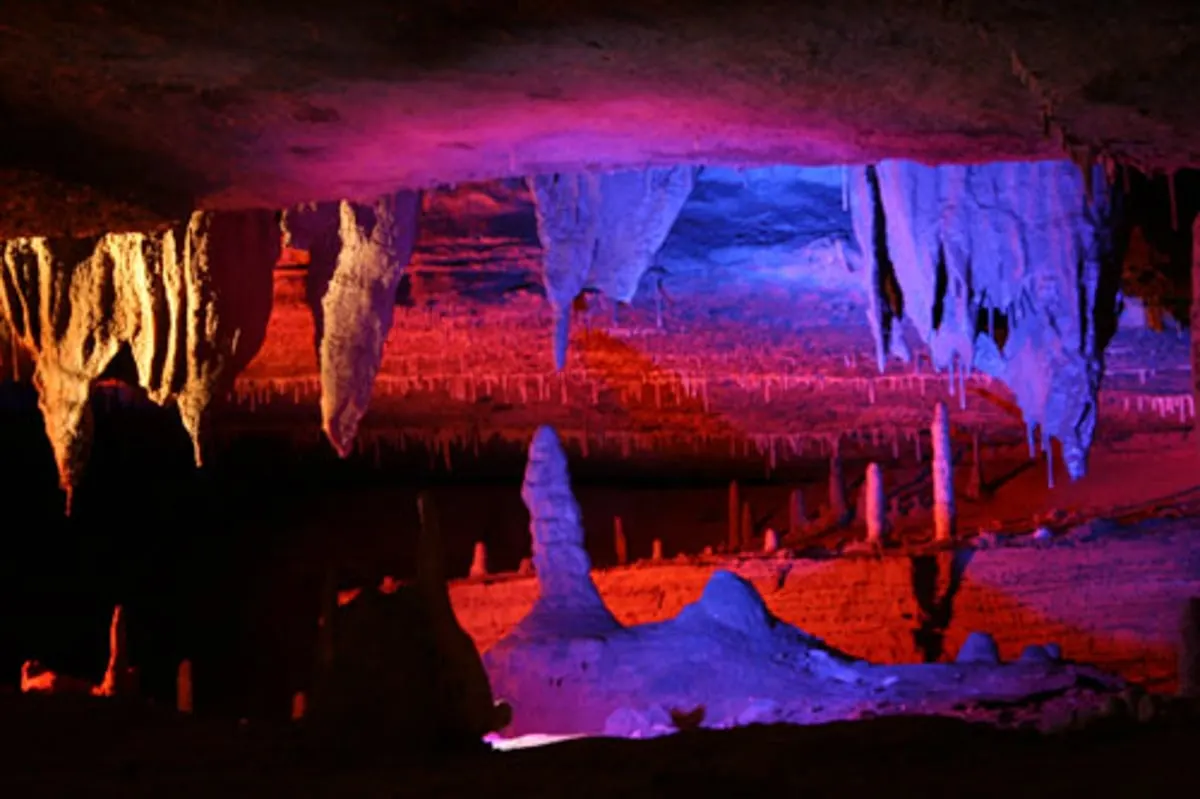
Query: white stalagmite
[943, 475]
[567, 597]
[190, 304]
[601, 230]
[358, 253]
[479, 561]
[876, 502]
[1025, 240]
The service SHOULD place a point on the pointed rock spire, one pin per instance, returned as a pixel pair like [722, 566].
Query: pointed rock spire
[358, 253]
[568, 602]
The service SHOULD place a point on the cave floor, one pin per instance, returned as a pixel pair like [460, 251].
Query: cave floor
[59, 746]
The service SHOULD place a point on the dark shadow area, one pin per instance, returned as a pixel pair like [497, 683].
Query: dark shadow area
[936, 612]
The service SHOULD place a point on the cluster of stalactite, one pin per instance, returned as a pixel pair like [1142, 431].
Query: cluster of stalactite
[189, 305]
[1005, 268]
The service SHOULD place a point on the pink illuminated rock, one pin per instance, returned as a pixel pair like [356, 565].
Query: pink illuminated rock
[190, 303]
[944, 514]
[358, 254]
[567, 596]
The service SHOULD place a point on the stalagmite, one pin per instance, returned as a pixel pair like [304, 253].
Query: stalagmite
[837, 484]
[479, 561]
[602, 231]
[1023, 239]
[183, 687]
[656, 550]
[747, 525]
[770, 541]
[190, 304]
[299, 705]
[797, 516]
[620, 545]
[943, 475]
[1195, 312]
[358, 253]
[1189, 650]
[976, 484]
[117, 675]
[733, 539]
[876, 505]
[567, 597]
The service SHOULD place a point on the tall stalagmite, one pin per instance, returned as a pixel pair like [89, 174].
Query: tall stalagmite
[358, 253]
[1023, 244]
[190, 304]
[944, 514]
[568, 599]
[601, 231]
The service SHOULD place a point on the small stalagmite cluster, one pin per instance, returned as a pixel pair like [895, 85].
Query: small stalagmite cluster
[190, 304]
[601, 231]
[358, 253]
[998, 267]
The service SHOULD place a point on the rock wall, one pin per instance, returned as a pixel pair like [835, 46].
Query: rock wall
[1113, 602]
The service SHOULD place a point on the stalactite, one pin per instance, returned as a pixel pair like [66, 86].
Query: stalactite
[358, 255]
[1021, 238]
[189, 304]
[601, 231]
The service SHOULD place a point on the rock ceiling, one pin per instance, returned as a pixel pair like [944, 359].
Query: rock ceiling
[119, 114]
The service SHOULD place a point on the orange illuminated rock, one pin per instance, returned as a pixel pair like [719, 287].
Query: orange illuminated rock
[189, 304]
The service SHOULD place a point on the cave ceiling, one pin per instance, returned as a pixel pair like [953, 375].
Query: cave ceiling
[122, 114]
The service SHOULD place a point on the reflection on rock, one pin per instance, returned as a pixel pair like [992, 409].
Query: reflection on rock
[190, 304]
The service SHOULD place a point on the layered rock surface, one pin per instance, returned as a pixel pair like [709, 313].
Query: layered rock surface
[999, 267]
[189, 304]
[358, 253]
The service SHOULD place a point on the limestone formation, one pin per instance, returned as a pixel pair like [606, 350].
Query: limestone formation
[838, 507]
[358, 253]
[601, 231]
[479, 561]
[944, 516]
[189, 304]
[1189, 650]
[401, 673]
[183, 687]
[620, 544]
[979, 648]
[1023, 242]
[568, 599]
[656, 550]
[735, 517]
[797, 515]
[770, 542]
[876, 505]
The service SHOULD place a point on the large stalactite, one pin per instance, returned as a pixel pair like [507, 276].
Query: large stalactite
[1004, 268]
[601, 231]
[189, 304]
[358, 253]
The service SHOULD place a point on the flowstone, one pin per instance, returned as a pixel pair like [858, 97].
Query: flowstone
[570, 668]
